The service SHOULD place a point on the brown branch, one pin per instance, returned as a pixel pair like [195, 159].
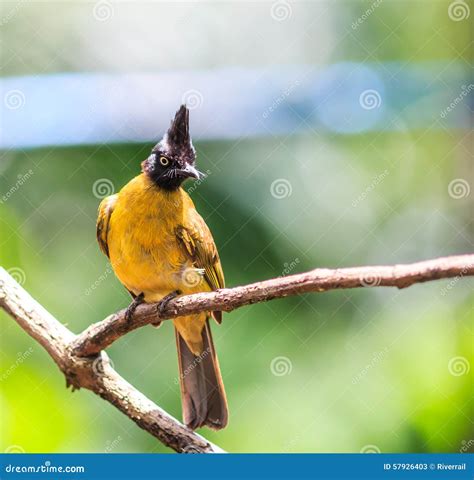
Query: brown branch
[95, 373]
[85, 365]
[102, 334]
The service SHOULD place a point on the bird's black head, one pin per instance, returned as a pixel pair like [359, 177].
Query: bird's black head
[172, 159]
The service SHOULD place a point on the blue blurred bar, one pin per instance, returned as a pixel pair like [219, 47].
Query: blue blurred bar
[344, 98]
[271, 466]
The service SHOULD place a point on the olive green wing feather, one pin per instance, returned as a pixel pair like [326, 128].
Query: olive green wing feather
[106, 209]
[197, 241]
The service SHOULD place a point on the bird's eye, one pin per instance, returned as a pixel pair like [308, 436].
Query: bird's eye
[164, 161]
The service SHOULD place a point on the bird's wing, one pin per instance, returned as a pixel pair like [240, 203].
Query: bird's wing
[197, 242]
[106, 208]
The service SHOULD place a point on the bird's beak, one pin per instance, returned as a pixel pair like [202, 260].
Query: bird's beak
[189, 171]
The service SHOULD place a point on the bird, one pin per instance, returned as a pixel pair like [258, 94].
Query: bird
[160, 247]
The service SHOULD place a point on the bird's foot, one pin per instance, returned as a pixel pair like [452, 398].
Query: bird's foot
[165, 300]
[139, 299]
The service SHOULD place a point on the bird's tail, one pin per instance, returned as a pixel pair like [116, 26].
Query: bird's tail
[202, 390]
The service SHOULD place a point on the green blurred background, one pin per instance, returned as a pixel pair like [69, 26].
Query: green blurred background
[343, 371]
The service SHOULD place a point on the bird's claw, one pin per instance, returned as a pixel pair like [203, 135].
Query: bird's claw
[165, 300]
[133, 306]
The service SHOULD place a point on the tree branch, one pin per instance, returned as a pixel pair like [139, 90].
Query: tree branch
[95, 373]
[85, 364]
[102, 334]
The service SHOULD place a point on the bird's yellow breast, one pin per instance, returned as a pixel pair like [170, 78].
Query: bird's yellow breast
[143, 247]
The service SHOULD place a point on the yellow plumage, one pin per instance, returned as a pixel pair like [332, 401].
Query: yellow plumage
[158, 243]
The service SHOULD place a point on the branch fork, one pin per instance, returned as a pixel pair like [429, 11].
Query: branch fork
[84, 363]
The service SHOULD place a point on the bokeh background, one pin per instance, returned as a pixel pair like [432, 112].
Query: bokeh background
[333, 134]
